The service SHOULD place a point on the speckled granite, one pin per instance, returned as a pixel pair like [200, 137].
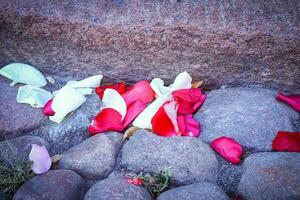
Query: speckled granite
[225, 43]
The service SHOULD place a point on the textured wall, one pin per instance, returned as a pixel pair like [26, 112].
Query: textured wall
[224, 42]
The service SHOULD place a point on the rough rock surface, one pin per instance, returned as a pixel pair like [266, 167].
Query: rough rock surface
[53, 185]
[199, 191]
[188, 159]
[73, 129]
[17, 150]
[251, 116]
[94, 158]
[16, 119]
[231, 42]
[271, 176]
[116, 188]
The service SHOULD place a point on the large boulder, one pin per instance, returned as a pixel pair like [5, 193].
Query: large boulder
[229, 42]
[94, 158]
[271, 176]
[188, 159]
[251, 116]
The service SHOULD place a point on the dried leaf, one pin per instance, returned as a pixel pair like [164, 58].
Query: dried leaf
[56, 158]
[129, 132]
[196, 84]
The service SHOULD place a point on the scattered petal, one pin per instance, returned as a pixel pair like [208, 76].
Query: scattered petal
[292, 100]
[158, 87]
[34, 96]
[182, 81]
[85, 91]
[120, 87]
[188, 126]
[40, 158]
[171, 110]
[286, 141]
[228, 149]
[47, 110]
[135, 181]
[130, 132]
[90, 82]
[139, 91]
[23, 73]
[196, 84]
[66, 100]
[112, 99]
[134, 109]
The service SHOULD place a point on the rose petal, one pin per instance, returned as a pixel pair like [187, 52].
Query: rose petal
[120, 87]
[189, 100]
[286, 141]
[90, 82]
[40, 158]
[292, 100]
[182, 81]
[47, 110]
[133, 111]
[34, 96]
[188, 126]
[135, 181]
[106, 120]
[171, 110]
[139, 91]
[112, 99]
[158, 87]
[228, 149]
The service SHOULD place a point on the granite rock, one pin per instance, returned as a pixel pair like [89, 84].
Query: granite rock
[188, 159]
[251, 116]
[94, 158]
[271, 176]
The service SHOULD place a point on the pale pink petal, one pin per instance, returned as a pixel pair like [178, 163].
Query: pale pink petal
[40, 158]
[188, 126]
[182, 81]
[171, 110]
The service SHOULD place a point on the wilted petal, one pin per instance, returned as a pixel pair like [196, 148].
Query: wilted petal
[158, 87]
[90, 82]
[182, 81]
[133, 110]
[188, 126]
[286, 141]
[228, 149]
[189, 100]
[47, 110]
[66, 100]
[23, 73]
[112, 99]
[40, 158]
[34, 96]
[107, 120]
[292, 100]
[141, 91]
[120, 87]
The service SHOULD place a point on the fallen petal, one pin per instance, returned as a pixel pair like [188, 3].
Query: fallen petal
[171, 110]
[135, 181]
[188, 126]
[90, 82]
[112, 99]
[291, 100]
[182, 81]
[34, 96]
[286, 141]
[120, 87]
[47, 110]
[228, 149]
[158, 87]
[141, 91]
[23, 73]
[134, 109]
[40, 158]
[85, 91]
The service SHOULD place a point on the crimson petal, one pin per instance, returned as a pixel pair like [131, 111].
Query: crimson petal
[133, 110]
[47, 110]
[292, 100]
[228, 149]
[120, 87]
[188, 126]
[286, 141]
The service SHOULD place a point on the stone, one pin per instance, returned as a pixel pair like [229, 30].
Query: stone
[199, 191]
[271, 175]
[251, 116]
[16, 150]
[73, 129]
[188, 159]
[116, 188]
[16, 119]
[95, 158]
[53, 185]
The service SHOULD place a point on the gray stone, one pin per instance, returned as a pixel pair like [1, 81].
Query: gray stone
[73, 129]
[251, 116]
[16, 119]
[188, 159]
[53, 185]
[271, 176]
[16, 150]
[116, 188]
[94, 158]
[196, 191]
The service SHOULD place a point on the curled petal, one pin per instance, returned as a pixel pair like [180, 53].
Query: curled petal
[228, 149]
[34, 96]
[106, 120]
[188, 126]
[291, 100]
[286, 141]
[112, 99]
[47, 110]
[90, 82]
[120, 87]
[141, 91]
[182, 81]
[40, 158]
[134, 109]
[158, 87]
[189, 100]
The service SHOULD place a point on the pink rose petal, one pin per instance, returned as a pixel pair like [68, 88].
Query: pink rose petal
[139, 91]
[286, 141]
[40, 158]
[133, 110]
[47, 110]
[291, 100]
[188, 126]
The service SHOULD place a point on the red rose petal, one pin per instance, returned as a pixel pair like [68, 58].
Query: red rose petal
[120, 87]
[188, 126]
[286, 141]
[106, 120]
[47, 110]
[135, 181]
[189, 100]
[292, 100]
[139, 91]
[228, 149]
[133, 110]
